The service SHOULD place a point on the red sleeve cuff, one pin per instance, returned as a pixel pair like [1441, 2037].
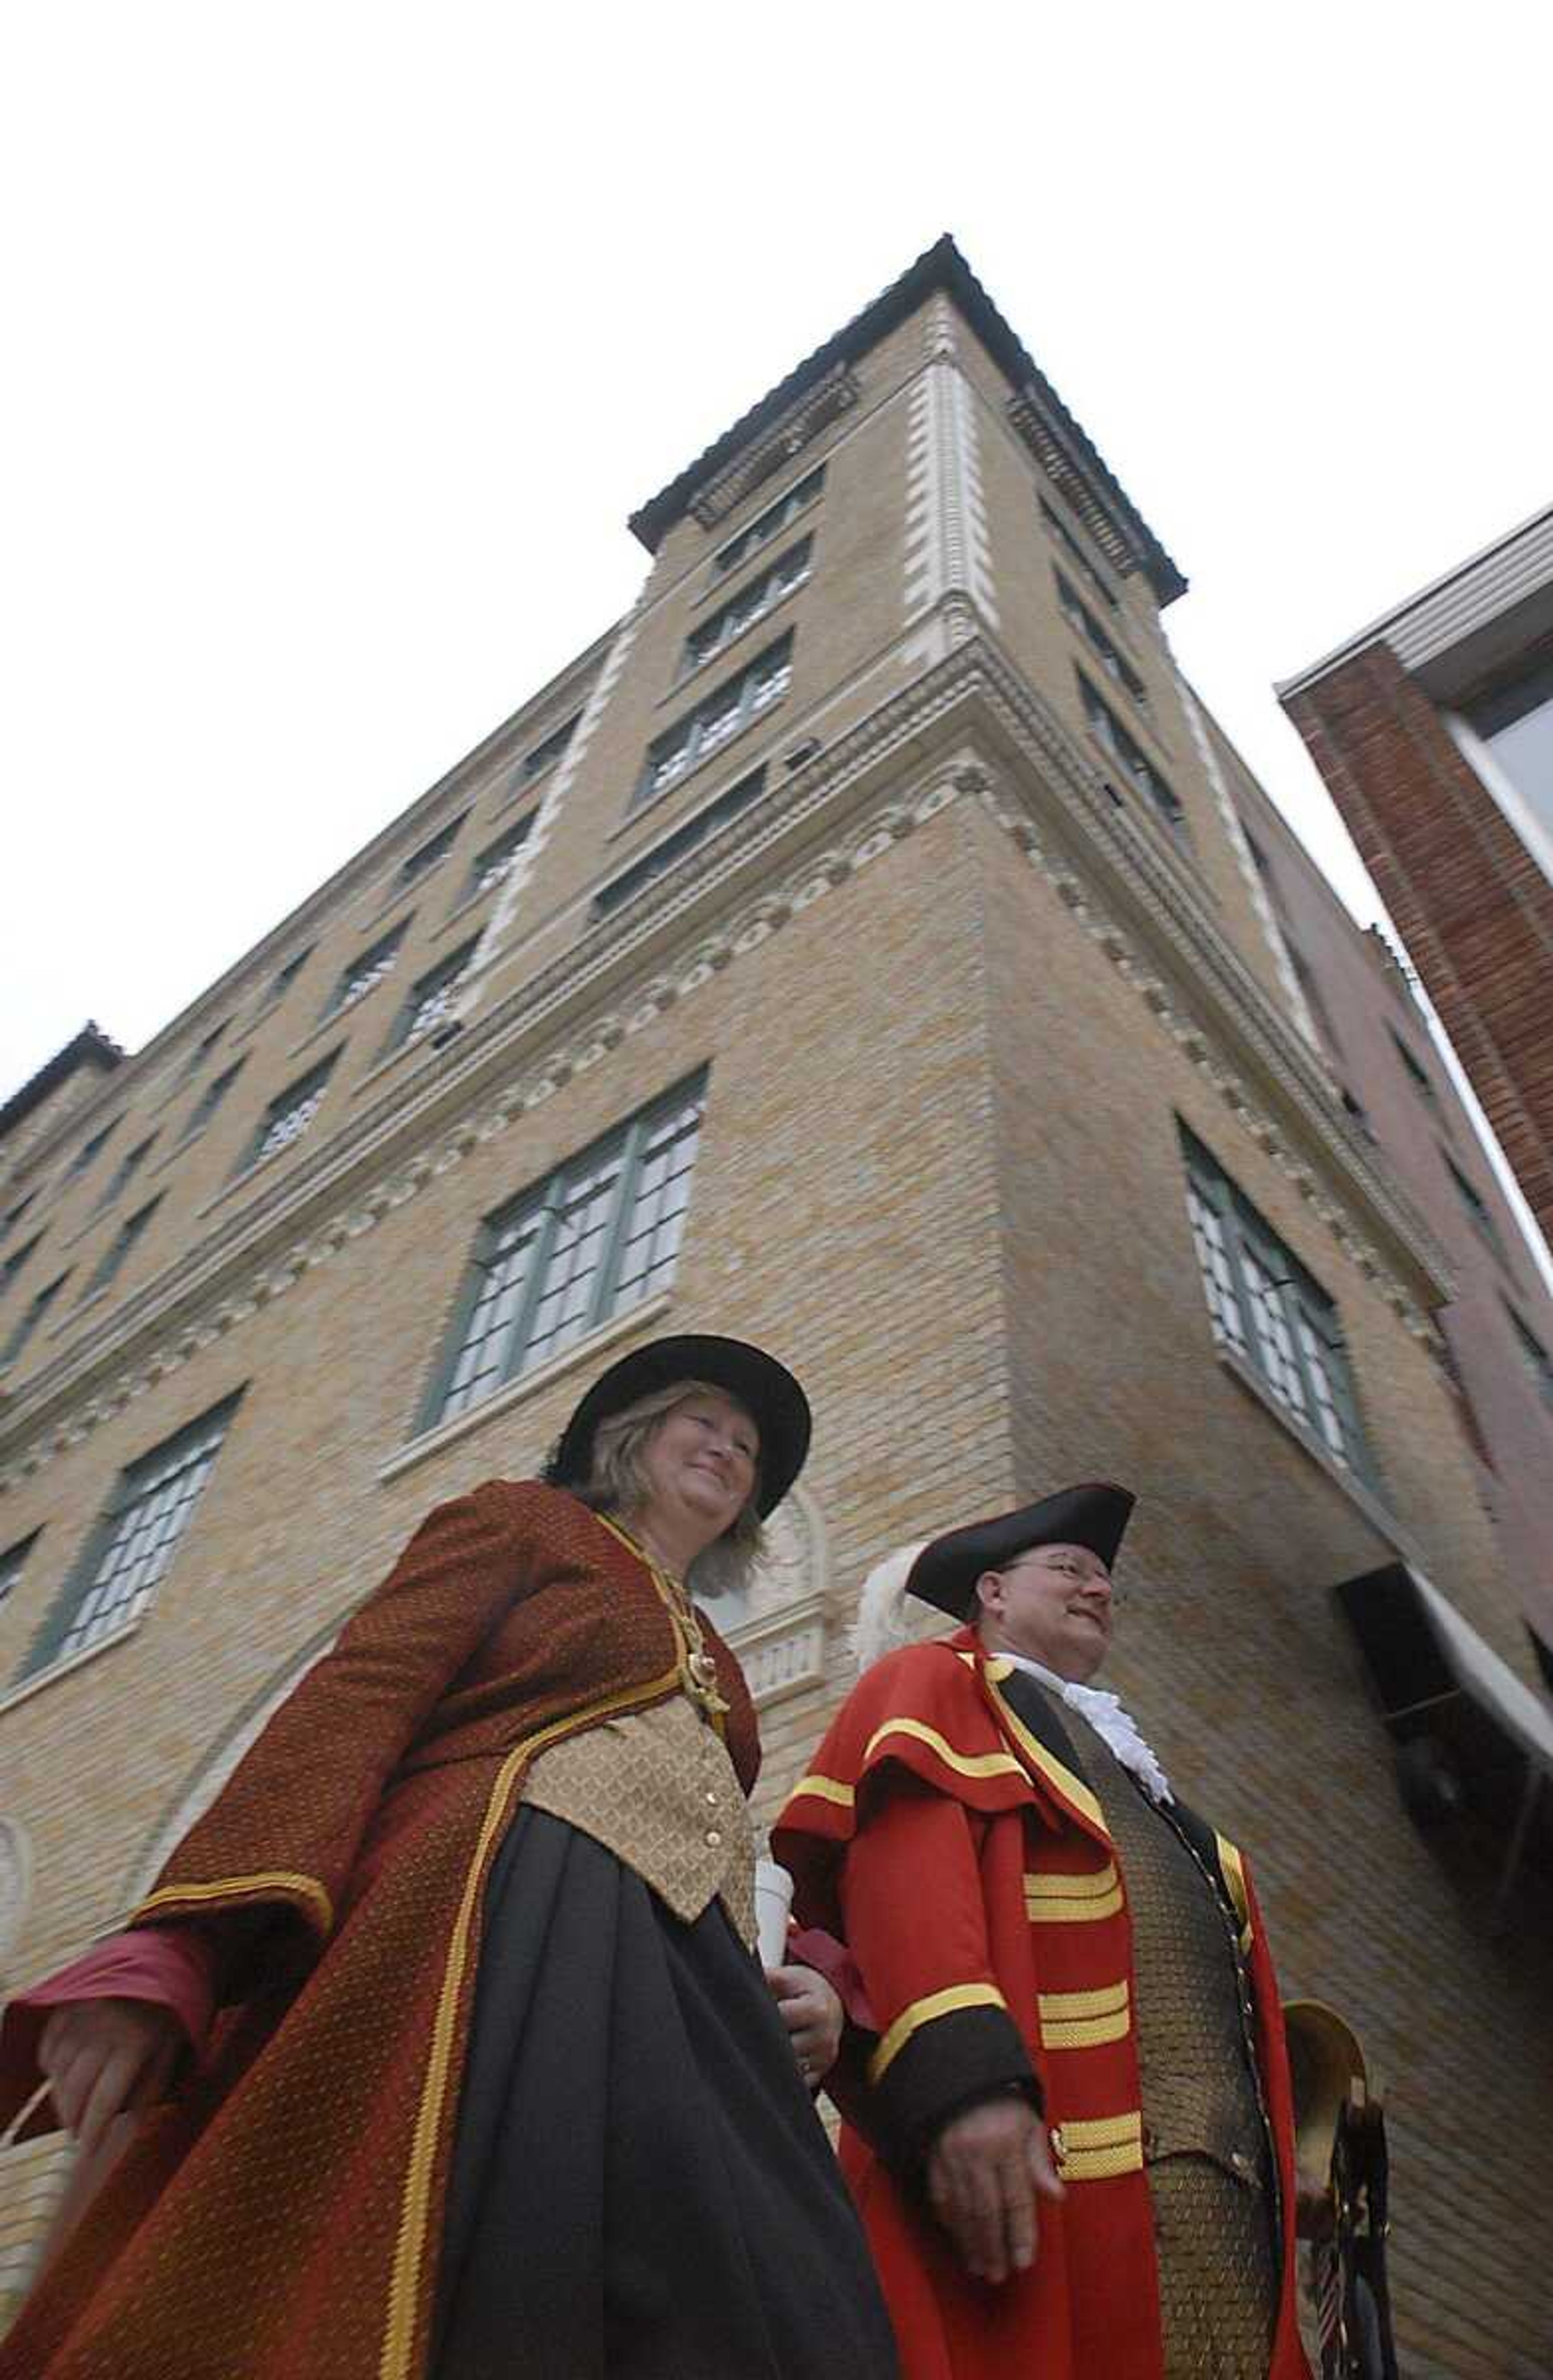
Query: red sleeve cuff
[173, 1966]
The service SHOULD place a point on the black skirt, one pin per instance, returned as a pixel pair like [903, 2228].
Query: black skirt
[640, 2189]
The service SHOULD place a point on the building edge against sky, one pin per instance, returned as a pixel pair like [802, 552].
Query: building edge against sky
[862, 947]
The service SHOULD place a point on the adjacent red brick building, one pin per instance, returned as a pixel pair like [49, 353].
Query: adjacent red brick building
[1434, 731]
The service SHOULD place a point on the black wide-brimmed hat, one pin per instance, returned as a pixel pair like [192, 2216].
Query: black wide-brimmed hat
[1094, 1516]
[766, 1388]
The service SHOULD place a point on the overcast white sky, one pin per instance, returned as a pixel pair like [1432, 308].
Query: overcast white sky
[343, 339]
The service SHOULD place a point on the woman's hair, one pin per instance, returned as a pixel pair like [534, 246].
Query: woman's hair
[617, 1482]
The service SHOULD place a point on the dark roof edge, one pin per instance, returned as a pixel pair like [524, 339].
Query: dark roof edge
[90, 1046]
[941, 267]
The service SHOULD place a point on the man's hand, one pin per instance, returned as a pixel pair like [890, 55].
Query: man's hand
[812, 2014]
[986, 2171]
[103, 2058]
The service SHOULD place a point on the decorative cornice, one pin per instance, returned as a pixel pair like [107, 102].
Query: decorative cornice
[723, 901]
[802, 423]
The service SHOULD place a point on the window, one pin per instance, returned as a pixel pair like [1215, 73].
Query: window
[544, 756]
[1476, 1207]
[771, 522]
[123, 1173]
[286, 977]
[200, 1052]
[601, 1235]
[493, 865]
[663, 855]
[126, 1555]
[1079, 617]
[1533, 1354]
[287, 1117]
[1135, 763]
[1068, 541]
[29, 1321]
[705, 642]
[1516, 723]
[89, 1149]
[14, 1261]
[716, 720]
[364, 974]
[431, 998]
[13, 1561]
[1268, 1310]
[111, 1262]
[431, 854]
[1314, 1000]
[209, 1099]
[16, 1214]
[1415, 1069]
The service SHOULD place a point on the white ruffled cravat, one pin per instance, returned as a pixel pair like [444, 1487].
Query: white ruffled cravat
[1107, 1716]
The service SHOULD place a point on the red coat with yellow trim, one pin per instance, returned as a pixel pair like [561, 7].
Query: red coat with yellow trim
[281, 2216]
[970, 1871]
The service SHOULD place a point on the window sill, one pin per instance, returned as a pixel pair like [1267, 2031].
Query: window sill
[1365, 1499]
[26, 1687]
[410, 892]
[530, 1384]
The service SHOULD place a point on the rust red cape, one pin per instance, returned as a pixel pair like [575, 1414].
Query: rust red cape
[280, 2213]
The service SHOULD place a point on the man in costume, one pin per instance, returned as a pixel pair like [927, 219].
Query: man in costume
[1069, 2126]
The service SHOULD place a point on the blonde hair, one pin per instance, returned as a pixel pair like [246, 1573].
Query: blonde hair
[617, 1483]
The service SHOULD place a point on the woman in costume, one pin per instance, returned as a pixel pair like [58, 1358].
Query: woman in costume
[495, 2082]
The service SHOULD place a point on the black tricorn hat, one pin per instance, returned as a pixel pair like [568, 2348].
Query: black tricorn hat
[1094, 1516]
[766, 1388]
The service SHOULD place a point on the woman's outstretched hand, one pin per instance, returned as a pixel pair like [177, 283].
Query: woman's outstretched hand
[812, 2014]
[104, 2057]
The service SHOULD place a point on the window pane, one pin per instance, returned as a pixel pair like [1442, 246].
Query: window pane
[1223, 1306]
[656, 1218]
[482, 1359]
[571, 1282]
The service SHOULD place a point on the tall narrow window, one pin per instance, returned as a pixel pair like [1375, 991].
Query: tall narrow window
[13, 1561]
[123, 1172]
[600, 1235]
[126, 1555]
[1415, 1069]
[11, 1266]
[1105, 726]
[287, 1117]
[1267, 1309]
[1079, 617]
[771, 522]
[200, 1052]
[210, 1098]
[89, 1149]
[673, 847]
[432, 853]
[716, 720]
[1476, 1209]
[713, 634]
[494, 864]
[366, 973]
[431, 1000]
[1532, 1355]
[283, 977]
[111, 1263]
[16, 1214]
[544, 756]
[29, 1321]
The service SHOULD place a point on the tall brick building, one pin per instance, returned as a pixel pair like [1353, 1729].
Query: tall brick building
[858, 948]
[1434, 731]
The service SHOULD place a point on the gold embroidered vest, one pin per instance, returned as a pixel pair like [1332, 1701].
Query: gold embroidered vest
[657, 1789]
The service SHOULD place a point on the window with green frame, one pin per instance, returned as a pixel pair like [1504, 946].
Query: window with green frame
[13, 1561]
[600, 1235]
[126, 1557]
[1269, 1311]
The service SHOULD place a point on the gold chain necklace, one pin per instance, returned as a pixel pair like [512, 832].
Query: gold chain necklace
[697, 1668]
